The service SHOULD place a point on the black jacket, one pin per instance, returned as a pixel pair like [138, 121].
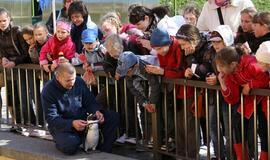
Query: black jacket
[7, 48]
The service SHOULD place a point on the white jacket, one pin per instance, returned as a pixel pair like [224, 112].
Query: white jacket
[208, 20]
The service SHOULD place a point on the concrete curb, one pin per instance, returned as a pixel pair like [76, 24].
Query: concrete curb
[28, 148]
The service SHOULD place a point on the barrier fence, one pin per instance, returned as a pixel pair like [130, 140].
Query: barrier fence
[173, 130]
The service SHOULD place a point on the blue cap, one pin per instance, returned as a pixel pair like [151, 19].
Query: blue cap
[160, 37]
[125, 61]
[89, 35]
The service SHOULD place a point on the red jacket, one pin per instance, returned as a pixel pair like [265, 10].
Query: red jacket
[249, 73]
[53, 46]
[172, 64]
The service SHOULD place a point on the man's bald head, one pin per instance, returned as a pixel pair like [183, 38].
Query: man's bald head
[65, 74]
[64, 67]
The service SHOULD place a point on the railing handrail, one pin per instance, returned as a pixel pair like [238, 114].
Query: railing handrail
[194, 83]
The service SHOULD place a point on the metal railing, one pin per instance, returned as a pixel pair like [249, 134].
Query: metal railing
[151, 130]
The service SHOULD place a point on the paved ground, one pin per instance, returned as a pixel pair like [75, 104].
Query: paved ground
[27, 148]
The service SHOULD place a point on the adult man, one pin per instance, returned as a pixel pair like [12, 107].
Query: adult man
[66, 101]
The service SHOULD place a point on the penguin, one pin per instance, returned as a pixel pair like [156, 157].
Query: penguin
[92, 135]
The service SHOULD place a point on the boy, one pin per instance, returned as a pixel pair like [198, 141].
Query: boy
[133, 68]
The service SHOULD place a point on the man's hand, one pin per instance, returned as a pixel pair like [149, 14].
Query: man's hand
[246, 89]
[154, 69]
[79, 125]
[100, 117]
[151, 108]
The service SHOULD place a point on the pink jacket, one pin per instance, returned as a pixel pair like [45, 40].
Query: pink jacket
[53, 46]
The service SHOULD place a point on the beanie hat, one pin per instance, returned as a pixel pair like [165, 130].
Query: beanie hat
[64, 25]
[159, 38]
[89, 35]
[125, 62]
[263, 53]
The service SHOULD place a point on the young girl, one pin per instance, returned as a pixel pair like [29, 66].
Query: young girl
[60, 43]
[28, 36]
[236, 71]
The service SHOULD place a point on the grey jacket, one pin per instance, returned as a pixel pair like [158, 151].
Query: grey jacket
[136, 85]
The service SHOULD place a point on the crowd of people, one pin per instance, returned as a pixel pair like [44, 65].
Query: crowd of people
[226, 44]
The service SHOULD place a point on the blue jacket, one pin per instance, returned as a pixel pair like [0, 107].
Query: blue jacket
[62, 106]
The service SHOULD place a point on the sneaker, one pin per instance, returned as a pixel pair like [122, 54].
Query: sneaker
[131, 140]
[150, 144]
[122, 139]
[170, 147]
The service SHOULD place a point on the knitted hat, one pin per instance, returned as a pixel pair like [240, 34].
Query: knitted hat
[159, 38]
[89, 35]
[263, 53]
[125, 62]
[64, 25]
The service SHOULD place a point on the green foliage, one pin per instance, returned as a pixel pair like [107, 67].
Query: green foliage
[176, 6]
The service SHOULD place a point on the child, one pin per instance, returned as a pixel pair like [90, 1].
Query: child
[94, 54]
[28, 36]
[60, 42]
[262, 56]
[41, 35]
[133, 67]
[236, 71]
[221, 37]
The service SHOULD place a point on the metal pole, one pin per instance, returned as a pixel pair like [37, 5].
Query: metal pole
[218, 124]
[166, 117]
[196, 124]
[126, 106]
[175, 117]
[230, 131]
[20, 96]
[185, 119]
[6, 87]
[54, 15]
[35, 97]
[255, 128]
[207, 123]
[242, 126]
[27, 97]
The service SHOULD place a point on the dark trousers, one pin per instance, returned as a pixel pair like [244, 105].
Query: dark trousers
[69, 142]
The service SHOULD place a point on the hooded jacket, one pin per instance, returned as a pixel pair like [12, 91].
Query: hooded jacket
[249, 73]
[7, 48]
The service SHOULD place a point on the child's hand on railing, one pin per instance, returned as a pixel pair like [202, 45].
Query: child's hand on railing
[188, 73]
[151, 108]
[246, 89]
[53, 66]
[46, 67]
[211, 79]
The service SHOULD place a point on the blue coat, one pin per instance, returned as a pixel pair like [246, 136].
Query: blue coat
[62, 106]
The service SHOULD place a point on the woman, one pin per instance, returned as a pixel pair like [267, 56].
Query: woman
[79, 16]
[146, 20]
[261, 27]
[14, 51]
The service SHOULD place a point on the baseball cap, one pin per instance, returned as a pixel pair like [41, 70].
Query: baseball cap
[125, 61]
[89, 35]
